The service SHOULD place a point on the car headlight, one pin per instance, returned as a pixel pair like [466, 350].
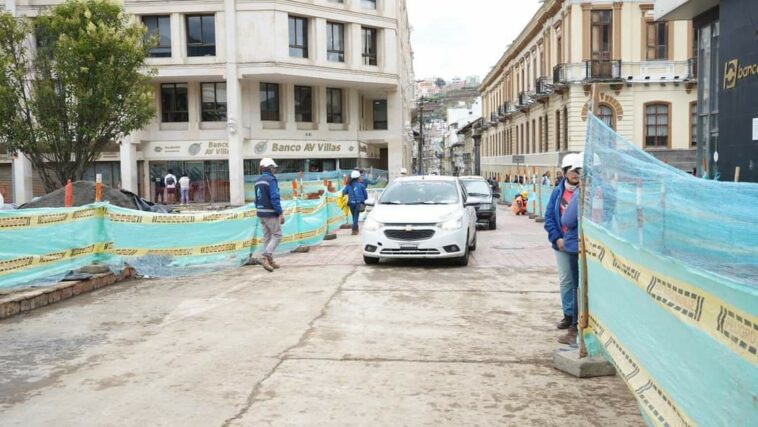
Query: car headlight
[372, 224]
[451, 224]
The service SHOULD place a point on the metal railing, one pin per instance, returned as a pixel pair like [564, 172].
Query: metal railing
[559, 74]
[524, 98]
[602, 70]
[544, 87]
[692, 69]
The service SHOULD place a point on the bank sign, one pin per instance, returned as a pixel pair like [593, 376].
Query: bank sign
[734, 72]
[298, 149]
[186, 150]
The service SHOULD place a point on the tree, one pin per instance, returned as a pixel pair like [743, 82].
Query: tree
[83, 86]
[440, 82]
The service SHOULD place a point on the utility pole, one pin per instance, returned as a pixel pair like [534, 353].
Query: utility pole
[420, 165]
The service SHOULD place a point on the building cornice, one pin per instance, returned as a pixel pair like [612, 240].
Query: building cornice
[532, 29]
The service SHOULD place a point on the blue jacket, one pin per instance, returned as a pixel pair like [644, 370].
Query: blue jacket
[553, 224]
[356, 192]
[267, 200]
[570, 219]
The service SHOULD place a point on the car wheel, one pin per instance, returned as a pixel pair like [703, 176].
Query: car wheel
[369, 260]
[463, 260]
[473, 244]
[493, 223]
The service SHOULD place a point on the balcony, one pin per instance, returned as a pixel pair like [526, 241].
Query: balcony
[544, 87]
[560, 75]
[597, 70]
[525, 99]
[692, 69]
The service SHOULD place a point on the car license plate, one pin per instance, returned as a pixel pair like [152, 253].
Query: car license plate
[408, 247]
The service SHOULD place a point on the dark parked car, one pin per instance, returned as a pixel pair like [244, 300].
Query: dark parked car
[486, 200]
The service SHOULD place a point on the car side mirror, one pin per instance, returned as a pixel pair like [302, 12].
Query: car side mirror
[470, 203]
[496, 195]
[370, 202]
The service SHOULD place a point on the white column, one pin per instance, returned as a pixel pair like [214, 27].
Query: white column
[128, 163]
[22, 179]
[234, 108]
[319, 105]
[10, 6]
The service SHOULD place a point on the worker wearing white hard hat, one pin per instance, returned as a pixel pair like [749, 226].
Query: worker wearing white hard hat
[559, 201]
[356, 196]
[269, 211]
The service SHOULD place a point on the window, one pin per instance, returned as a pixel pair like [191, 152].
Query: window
[303, 104]
[333, 105]
[605, 114]
[201, 35]
[601, 43]
[335, 42]
[557, 131]
[159, 29]
[369, 46]
[693, 124]
[380, 114]
[298, 28]
[213, 104]
[174, 102]
[657, 40]
[368, 4]
[656, 125]
[565, 128]
[269, 102]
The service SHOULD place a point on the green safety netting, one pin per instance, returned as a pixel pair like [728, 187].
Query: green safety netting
[672, 270]
[312, 182]
[38, 246]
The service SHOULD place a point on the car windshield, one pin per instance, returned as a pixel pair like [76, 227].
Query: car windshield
[420, 193]
[477, 188]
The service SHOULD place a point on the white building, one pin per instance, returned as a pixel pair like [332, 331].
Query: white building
[314, 84]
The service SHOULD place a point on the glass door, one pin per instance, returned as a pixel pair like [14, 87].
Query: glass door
[602, 21]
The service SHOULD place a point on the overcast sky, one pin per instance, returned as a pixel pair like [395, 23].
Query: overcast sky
[458, 38]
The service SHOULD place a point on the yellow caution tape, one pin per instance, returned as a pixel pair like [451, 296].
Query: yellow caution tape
[726, 324]
[21, 263]
[20, 220]
[656, 403]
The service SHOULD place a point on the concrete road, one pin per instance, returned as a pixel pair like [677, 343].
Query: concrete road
[324, 341]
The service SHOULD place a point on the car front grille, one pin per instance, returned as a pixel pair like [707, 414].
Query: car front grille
[406, 235]
[410, 251]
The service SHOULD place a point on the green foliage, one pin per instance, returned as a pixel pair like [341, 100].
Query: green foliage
[84, 86]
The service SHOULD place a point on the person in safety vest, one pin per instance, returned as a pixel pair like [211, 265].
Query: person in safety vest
[519, 203]
[269, 211]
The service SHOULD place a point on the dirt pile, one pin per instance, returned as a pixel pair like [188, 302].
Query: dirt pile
[84, 194]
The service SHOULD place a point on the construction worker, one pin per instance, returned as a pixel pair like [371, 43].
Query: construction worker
[519, 203]
[357, 196]
[269, 211]
[570, 222]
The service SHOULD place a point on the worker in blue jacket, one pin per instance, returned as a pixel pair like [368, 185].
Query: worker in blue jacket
[269, 210]
[559, 200]
[356, 195]
[570, 220]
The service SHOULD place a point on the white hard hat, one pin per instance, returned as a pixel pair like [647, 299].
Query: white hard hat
[355, 174]
[578, 161]
[568, 160]
[267, 162]
[403, 171]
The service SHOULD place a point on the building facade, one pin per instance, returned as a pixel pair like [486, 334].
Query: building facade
[536, 97]
[315, 84]
[727, 57]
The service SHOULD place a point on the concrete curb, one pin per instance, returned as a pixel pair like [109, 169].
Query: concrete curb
[26, 300]
[568, 361]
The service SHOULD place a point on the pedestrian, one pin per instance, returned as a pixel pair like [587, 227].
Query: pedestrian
[160, 189]
[184, 187]
[356, 195]
[558, 178]
[545, 179]
[269, 211]
[570, 222]
[170, 181]
[559, 200]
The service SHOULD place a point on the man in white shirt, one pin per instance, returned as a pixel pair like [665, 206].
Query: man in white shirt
[170, 181]
[184, 186]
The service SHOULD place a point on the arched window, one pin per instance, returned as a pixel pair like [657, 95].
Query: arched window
[606, 114]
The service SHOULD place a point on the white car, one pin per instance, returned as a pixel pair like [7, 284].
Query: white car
[420, 217]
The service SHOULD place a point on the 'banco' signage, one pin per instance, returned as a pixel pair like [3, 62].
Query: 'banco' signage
[298, 149]
[734, 72]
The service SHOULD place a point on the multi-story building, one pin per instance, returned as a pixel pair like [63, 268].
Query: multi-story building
[536, 96]
[314, 84]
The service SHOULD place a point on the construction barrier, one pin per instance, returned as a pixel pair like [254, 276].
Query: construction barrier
[671, 274]
[44, 244]
[312, 182]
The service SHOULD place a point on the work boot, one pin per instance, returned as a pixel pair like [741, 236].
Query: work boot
[564, 323]
[570, 337]
[273, 263]
[266, 263]
[354, 233]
